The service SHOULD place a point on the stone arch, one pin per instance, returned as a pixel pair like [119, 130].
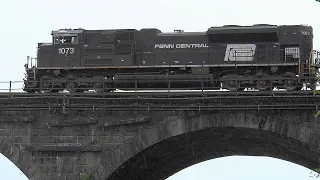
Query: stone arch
[16, 154]
[290, 135]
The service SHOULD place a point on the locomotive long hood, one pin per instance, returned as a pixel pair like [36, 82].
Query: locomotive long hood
[243, 29]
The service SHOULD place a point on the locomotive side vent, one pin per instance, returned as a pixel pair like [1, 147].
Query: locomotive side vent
[122, 49]
[98, 51]
[102, 62]
[243, 37]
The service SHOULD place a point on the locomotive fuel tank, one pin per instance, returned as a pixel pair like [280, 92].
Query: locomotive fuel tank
[134, 82]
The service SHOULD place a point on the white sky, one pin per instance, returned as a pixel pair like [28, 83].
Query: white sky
[25, 23]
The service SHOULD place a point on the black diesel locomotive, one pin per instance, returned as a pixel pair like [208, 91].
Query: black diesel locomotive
[233, 57]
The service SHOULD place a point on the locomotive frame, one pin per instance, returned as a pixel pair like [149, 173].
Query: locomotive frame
[231, 57]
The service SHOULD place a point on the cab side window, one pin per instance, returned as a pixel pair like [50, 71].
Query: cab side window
[66, 40]
[74, 40]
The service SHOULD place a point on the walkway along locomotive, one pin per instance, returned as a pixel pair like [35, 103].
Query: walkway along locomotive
[233, 57]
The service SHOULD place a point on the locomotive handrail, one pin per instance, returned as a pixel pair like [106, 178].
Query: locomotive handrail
[315, 57]
[17, 86]
[31, 62]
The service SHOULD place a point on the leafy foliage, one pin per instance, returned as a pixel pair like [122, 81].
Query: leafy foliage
[316, 174]
[315, 72]
[88, 176]
[317, 114]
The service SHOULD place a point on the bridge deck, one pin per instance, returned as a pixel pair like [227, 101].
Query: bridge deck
[161, 101]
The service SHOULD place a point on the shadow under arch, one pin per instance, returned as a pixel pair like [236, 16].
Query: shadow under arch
[161, 151]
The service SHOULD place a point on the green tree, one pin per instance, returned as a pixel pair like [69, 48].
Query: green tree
[315, 72]
[316, 174]
[88, 176]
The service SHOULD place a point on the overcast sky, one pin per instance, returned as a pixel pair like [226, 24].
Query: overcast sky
[25, 23]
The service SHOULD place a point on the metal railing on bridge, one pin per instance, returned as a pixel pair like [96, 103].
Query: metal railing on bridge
[204, 87]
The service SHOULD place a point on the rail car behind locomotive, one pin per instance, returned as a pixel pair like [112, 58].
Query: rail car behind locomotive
[233, 57]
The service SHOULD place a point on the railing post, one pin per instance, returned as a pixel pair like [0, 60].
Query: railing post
[64, 105]
[136, 85]
[10, 87]
[202, 84]
[169, 84]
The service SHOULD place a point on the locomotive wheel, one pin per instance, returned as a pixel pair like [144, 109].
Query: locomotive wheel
[71, 87]
[290, 85]
[231, 82]
[98, 86]
[46, 87]
[50, 85]
[263, 85]
[231, 85]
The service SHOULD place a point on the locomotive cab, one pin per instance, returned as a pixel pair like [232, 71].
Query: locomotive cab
[64, 51]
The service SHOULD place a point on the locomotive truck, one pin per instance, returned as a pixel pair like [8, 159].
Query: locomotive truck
[232, 57]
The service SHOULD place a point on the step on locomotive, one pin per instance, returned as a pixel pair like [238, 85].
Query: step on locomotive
[231, 57]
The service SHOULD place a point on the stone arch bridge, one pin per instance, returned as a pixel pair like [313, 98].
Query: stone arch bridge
[152, 136]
